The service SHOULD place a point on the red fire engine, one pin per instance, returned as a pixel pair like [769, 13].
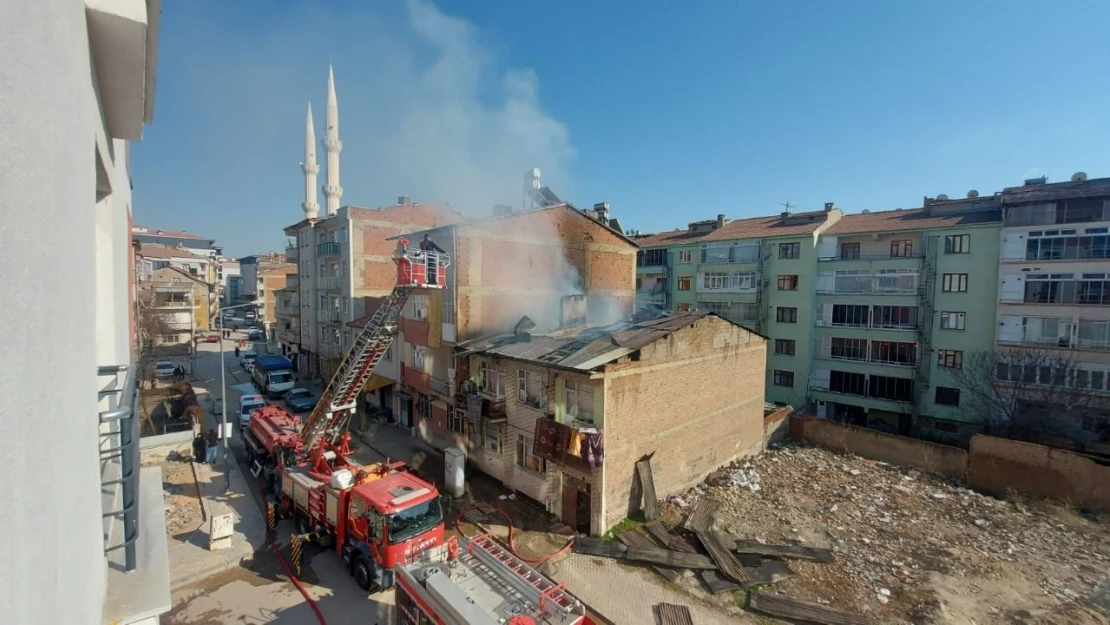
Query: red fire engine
[478, 582]
[375, 516]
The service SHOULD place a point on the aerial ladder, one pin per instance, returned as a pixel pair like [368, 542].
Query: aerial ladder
[325, 438]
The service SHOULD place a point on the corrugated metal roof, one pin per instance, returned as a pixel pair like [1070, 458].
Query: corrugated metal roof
[587, 348]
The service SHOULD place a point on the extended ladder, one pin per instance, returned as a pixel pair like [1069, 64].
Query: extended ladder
[536, 588]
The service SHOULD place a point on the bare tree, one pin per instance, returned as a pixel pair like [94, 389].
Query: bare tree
[149, 323]
[1034, 395]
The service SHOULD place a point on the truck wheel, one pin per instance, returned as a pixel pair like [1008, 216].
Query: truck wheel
[364, 575]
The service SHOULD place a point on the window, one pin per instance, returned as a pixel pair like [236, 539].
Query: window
[784, 378]
[419, 306]
[848, 349]
[893, 389]
[788, 283]
[790, 250]
[651, 258]
[423, 405]
[490, 380]
[946, 396]
[684, 284]
[684, 307]
[852, 315]
[785, 347]
[739, 281]
[952, 320]
[849, 251]
[901, 249]
[954, 283]
[389, 353]
[525, 456]
[493, 437]
[894, 317]
[455, 420]
[420, 358]
[957, 244]
[579, 398]
[786, 314]
[1068, 244]
[893, 352]
[685, 257]
[715, 255]
[950, 358]
[1091, 289]
[848, 383]
[529, 388]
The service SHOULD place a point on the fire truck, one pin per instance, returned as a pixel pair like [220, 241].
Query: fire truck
[375, 516]
[478, 582]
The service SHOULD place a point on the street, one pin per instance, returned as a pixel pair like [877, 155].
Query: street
[259, 591]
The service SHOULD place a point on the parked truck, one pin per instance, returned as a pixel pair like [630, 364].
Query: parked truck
[273, 375]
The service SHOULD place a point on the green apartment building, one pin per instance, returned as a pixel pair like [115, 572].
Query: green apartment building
[867, 314]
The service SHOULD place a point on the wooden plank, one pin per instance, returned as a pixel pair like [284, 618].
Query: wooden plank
[783, 551]
[636, 538]
[671, 614]
[787, 608]
[728, 564]
[701, 516]
[663, 534]
[666, 557]
[598, 547]
[769, 572]
[647, 485]
[716, 583]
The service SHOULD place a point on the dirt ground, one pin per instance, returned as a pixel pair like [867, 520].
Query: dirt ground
[179, 490]
[910, 548]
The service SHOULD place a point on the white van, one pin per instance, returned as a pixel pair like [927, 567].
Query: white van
[248, 404]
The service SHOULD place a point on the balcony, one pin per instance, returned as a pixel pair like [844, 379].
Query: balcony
[439, 387]
[328, 283]
[332, 316]
[292, 253]
[906, 356]
[292, 281]
[849, 257]
[901, 283]
[331, 248]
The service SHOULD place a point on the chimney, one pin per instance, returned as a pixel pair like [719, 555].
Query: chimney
[501, 209]
[829, 207]
[720, 220]
[572, 311]
[601, 209]
[522, 331]
[404, 200]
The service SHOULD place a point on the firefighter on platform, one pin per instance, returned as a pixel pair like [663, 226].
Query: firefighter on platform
[431, 261]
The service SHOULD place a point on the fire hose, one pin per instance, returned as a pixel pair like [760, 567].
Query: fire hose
[512, 531]
[289, 568]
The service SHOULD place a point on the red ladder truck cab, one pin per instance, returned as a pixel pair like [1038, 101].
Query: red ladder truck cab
[477, 581]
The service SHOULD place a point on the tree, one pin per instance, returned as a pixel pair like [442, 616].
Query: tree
[1035, 395]
[150, 323]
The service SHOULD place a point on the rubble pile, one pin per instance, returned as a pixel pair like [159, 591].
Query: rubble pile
[908, 547]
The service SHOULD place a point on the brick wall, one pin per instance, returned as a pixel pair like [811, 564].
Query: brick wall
[912, 452]
[372, 251]
[691, 402]
[524, 264]
[998, 465]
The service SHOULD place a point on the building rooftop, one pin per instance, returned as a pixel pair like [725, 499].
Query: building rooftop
[416, 214]
[771, 226]
[566, 206]
[1056, 191]
[154, 250]
[900, 220]
[173, 234]
[673, 237]
[583, 348]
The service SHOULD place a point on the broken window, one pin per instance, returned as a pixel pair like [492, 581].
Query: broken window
[525, 456]
[530, 388]
[579, 398]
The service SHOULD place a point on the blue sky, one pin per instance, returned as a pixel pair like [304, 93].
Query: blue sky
[670, 111]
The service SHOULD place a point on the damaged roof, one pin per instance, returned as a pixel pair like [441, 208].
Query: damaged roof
[586, 348]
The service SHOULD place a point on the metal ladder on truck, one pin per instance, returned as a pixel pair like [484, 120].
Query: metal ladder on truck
[549, 597]
[332, 414]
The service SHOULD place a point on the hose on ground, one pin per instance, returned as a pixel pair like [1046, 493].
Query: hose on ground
[289, 568]
[512, 531]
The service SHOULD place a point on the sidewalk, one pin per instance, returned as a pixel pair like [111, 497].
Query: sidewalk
[192, 561]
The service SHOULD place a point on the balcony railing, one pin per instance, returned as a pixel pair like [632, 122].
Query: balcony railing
[331, 248]
[866, 355]
[292, 281]
[869, 257]
[880, 325]
[292, 254]
[439, 387]
[171, 304]
[873, 289]
[328, 283]
[119, 460]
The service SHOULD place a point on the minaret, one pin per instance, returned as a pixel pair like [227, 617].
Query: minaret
[310, 168]
[332, 145]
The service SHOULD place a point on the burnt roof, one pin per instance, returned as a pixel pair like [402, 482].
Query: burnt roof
[532, 211]
[912, 219]
[588, 348]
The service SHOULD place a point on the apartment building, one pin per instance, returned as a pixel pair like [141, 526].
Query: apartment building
[340, 261]
[898, 303]
[192, 243]
[87, 521]
[564, 416]
[1054, 297]
[502, 268]
[260, 276]
[227, 279]
[155, 256]
[173, 306]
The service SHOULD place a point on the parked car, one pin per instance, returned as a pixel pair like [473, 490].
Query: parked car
[212, 338]
[247, 358]
[164, 369]
[254, 334]
[300, 400]
[247, 405]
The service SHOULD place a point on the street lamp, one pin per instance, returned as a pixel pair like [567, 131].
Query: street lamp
[224, 433]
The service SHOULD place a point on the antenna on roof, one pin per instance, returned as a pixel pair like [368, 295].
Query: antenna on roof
[786, 206]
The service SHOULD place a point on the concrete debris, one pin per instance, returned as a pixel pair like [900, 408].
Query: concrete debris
[909, 547]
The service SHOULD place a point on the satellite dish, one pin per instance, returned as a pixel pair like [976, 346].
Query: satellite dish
[972, 194]
[865, 212]
[942, 198]
[1079, 176]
